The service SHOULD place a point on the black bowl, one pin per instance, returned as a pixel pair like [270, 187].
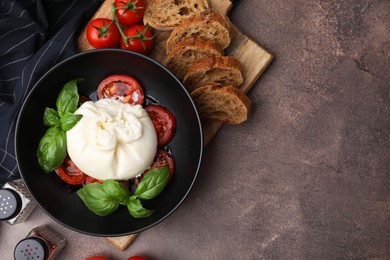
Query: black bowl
[62, 204]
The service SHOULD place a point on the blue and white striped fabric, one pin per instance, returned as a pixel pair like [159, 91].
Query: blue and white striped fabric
[34, 36]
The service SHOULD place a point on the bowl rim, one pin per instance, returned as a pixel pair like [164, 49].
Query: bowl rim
[92, 52]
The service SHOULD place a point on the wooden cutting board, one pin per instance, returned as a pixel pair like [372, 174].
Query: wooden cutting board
[254, 58]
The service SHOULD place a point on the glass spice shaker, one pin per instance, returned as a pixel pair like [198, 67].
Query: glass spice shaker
[16, 203]
[42, 243]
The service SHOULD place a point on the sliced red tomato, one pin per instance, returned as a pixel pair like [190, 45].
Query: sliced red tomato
[69, 172]
[126, 184]
[129, 12]
[161, 159]
[92, 180]
[123, 88]
[139, 38]
[83, 99]
[164, 122]
[103, 33]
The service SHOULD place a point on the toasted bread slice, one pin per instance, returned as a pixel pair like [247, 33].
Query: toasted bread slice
[167, 14]
[227, 104]
[187, 51]
[209, 24]
[225, 70]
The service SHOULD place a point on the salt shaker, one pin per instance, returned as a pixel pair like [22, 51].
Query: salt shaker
[42, 242]
[16, 204]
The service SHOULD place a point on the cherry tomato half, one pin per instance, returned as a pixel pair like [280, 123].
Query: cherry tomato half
[123, 88]
[69, 172]
[129, 12]
[103, 33]
[137, 257]
[164, 122]
[139, 39]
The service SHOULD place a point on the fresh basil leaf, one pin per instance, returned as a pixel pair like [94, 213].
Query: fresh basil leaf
[52, 149]
[136, 209]
[117, 190]
[69, 120]
[97, 200]
[103, 199]
[68, 98]
[50, 117]
[153, 183]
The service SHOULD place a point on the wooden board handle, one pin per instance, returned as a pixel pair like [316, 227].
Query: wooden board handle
[123, 242]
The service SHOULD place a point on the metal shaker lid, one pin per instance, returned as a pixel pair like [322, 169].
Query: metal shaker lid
[31, 248]
[10, 204]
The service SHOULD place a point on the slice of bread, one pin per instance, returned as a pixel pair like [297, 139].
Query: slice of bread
[225, 70]
[209, 25]
[167, 14]
[188, 51]
[227, 104]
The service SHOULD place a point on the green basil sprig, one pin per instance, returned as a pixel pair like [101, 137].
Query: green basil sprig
[51, 150]
[103, 199]
[50, 117]
[68, 98]
[152, 183]
[136, 209]
[69, 120]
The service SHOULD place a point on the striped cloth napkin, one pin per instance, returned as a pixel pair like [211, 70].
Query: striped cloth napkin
[34, 36]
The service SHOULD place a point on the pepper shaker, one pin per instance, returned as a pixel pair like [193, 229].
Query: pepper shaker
[16, 204]
[42, 243]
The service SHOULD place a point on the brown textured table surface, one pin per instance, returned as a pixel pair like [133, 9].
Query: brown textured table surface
[308, 176]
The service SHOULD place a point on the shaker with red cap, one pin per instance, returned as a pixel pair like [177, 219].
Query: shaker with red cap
[16, 203]
[42, 243]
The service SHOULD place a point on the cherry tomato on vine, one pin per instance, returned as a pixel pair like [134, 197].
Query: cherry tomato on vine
[123, 88]
[129, 12]
[103, 33]
[139, 38]
[164, 122]
[69, 172]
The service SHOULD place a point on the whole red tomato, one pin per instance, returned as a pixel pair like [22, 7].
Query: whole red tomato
[129, 12]
[139, 38]
[103, 33]
[137, 257]
[97, 258]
